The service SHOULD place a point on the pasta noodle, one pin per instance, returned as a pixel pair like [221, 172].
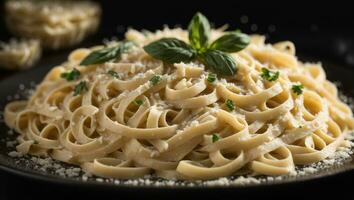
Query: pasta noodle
[171, 131]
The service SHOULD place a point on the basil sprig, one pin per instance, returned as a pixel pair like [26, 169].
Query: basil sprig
[106, 54]
[214, 55]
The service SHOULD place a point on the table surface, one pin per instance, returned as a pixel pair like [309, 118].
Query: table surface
[13, 187]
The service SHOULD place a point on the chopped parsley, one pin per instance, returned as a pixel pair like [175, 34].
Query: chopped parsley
[138, 102]
[70, 76]
[80, 88]
[215, 137]
[269, 75]
[211, 78]
[230, 105]
[297, 89]
[155, 80]
[113, 73]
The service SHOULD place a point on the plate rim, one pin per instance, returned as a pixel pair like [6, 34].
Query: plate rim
[56, 179]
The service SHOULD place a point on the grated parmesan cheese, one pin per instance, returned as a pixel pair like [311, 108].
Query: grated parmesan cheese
[51, 166]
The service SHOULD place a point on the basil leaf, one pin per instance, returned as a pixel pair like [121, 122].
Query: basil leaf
[101, 56]
[220, 62]
[232, 42]
[106, 54]
[199, 31]
[170, 50]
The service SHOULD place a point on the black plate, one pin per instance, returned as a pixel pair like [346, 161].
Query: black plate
[10, 85]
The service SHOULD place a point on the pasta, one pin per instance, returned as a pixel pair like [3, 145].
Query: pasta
[19, 54]
[57, 24]
[182, 127]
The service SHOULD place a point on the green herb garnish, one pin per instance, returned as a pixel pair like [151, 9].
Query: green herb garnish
[214, 55]
[70, 76]
[220, 62]
[171, 50]
[199, 31]
[230, 105]
[106, 54]
[215, 137]
[211, 78]
[269, 75]
[231, 42]
[155, 80]
[113, 73]
[138, 102]
[297, 89]
[80, 88]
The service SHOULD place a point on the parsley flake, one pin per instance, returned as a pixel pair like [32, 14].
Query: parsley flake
[215, 137]
[138, 102]
[211, 78]
[269, 75]
[80, 88]
[155, 80]
[230, 105]
[70, 76]
[297, 89]
[113, 73]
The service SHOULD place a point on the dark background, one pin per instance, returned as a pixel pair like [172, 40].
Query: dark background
[318, 28]
[321, 30]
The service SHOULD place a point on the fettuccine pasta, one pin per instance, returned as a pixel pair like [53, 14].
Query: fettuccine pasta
[181, 127]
